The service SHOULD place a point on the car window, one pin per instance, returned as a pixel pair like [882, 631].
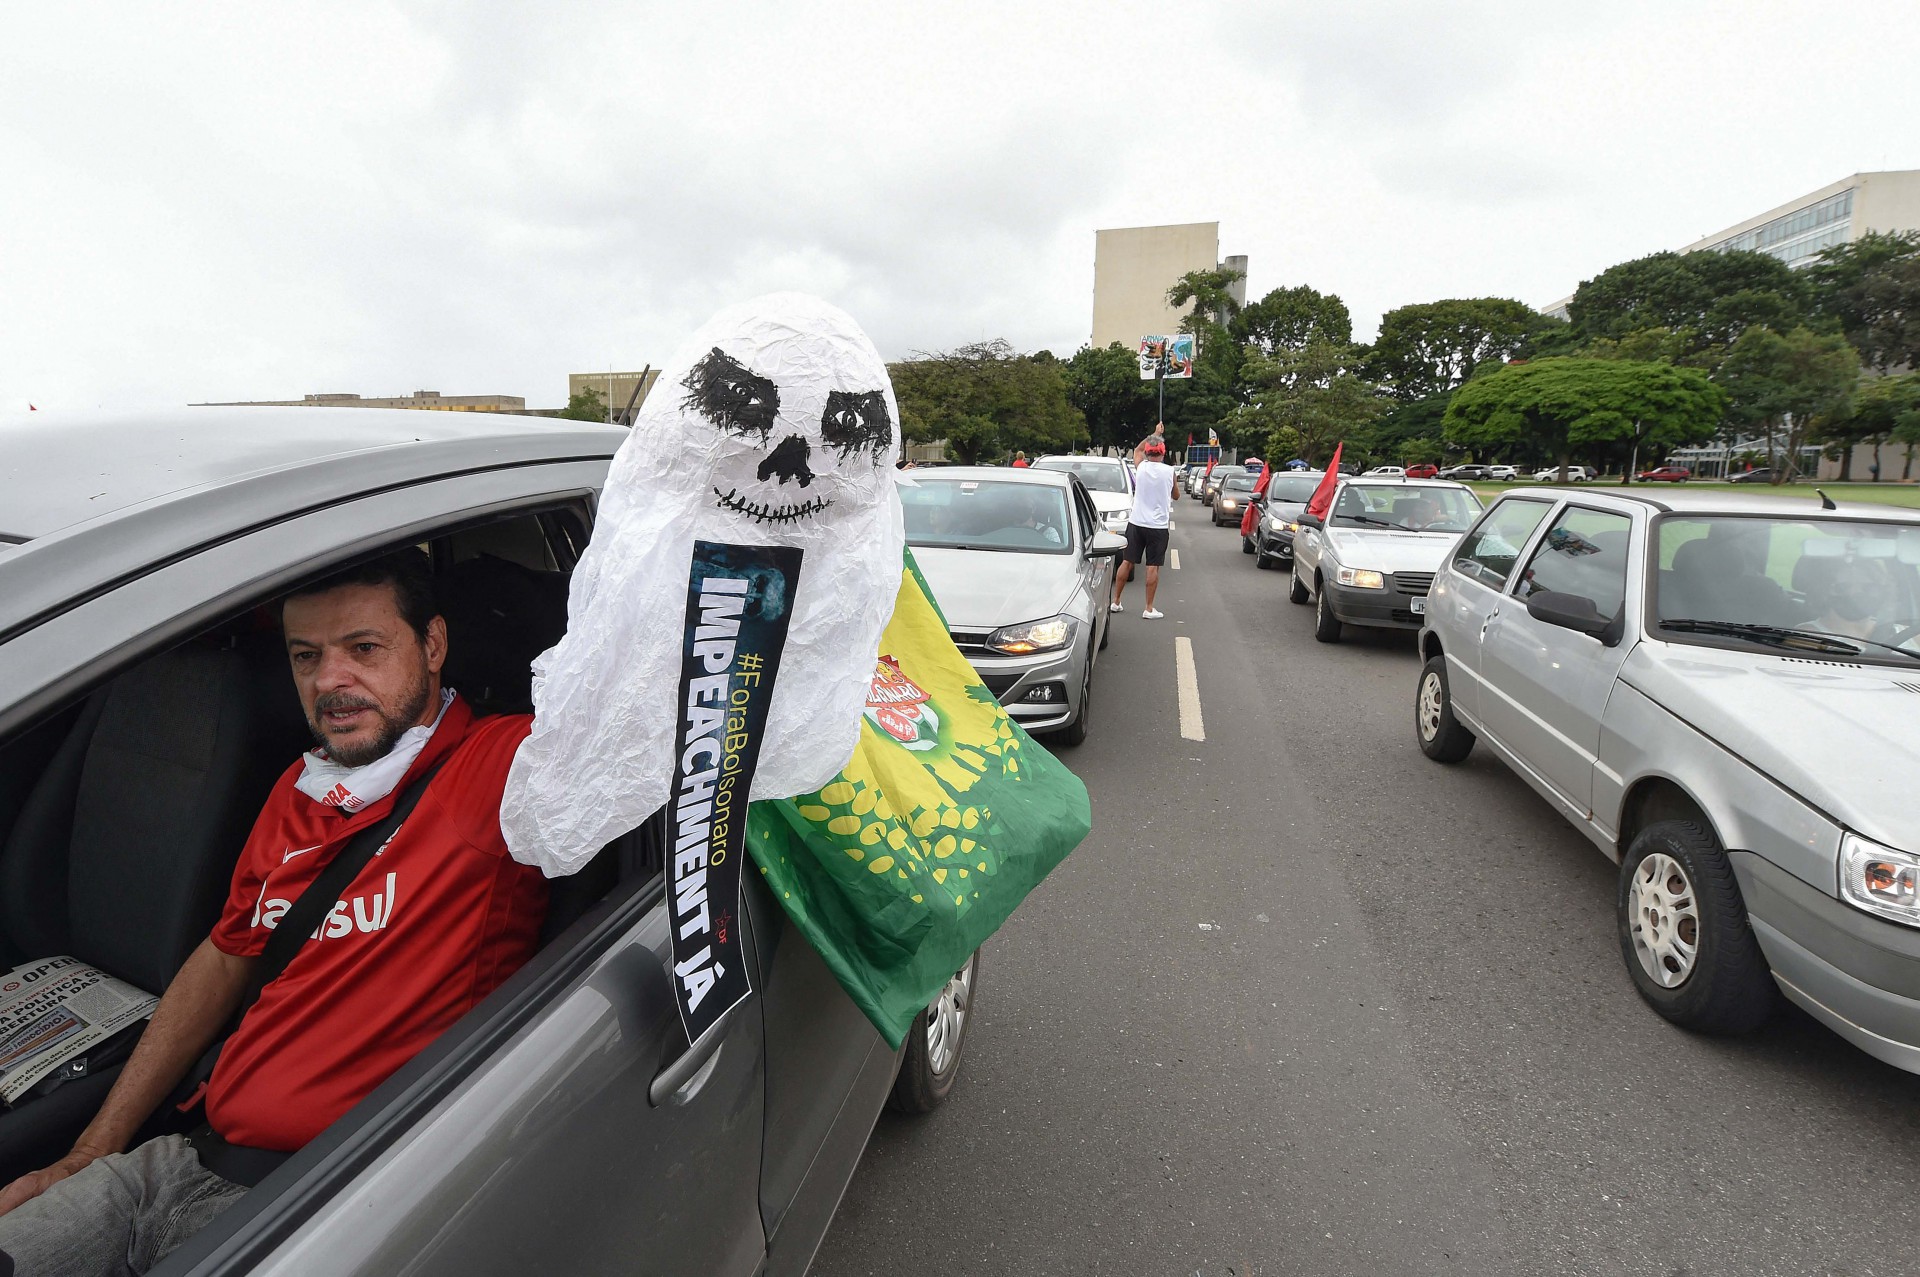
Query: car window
[986, 514]
[1404, 508]
[1239, 483]
[1289, 488]
[1101, 475]
[1488, 553]
[1584, 553]
[1083, 507]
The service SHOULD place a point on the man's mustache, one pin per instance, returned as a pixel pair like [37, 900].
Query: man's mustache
[329, 702]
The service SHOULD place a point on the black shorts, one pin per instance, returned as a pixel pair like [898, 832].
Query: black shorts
[1145, 545]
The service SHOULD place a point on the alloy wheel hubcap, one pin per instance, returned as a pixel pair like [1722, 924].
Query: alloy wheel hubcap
[947, 1019]
[1665, 918]
[1429, 707]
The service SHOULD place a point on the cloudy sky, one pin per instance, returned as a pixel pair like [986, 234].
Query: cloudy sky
[227, 201]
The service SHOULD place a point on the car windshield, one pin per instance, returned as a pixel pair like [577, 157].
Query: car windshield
[1098, 475]
[1239, 483]
[982, 514]
[1404, 508]
[1292, 488]
[1831, 586]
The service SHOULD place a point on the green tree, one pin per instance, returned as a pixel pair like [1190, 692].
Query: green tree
[1886, 410]
[1558, 405]
[1707, 298]
[1429, 348]
[585, 406]
[1312, 391]
[986, 399]
[1292, 317]
[1104, 383]
[1424, 450]
[1790, 385]
[1211, 293]
[1871, 288]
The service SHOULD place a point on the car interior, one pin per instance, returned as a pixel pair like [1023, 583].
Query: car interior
[122, 814]
[1009, 516]
[1726, 569]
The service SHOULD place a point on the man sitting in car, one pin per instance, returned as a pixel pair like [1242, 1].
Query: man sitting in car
[432, 924]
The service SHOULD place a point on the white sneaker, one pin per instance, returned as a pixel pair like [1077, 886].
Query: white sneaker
[1153, 614]
[1115, 607]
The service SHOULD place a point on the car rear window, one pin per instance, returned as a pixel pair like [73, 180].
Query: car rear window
[1098, 475]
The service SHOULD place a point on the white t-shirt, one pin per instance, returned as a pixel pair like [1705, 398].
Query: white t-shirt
[1152, 495]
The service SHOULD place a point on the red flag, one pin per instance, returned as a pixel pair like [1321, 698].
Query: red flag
[1189, 438]
[1259, 490]
[1322, 499]
[31, 408]
[1209, 469]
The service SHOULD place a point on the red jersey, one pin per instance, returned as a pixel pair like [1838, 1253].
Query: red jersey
[430, 926]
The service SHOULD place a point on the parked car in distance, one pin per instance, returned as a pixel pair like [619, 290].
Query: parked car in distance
[1274, 527]
[1375, 556]
[1109, 481]
[1503, 474]
[146, 713]
[1665, 474]
[1022, 571]
[1717, 689]
[1387, 472]
[1425, 470]
[1230, 501]
[1460, 474]
[1761, 474]
[1210, 483]
[1575, 474]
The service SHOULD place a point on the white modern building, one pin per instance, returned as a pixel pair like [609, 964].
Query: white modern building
[1796, 231]
[1134, 266]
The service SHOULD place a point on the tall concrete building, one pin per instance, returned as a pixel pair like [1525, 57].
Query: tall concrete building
[1133, 268]
[1796, 231]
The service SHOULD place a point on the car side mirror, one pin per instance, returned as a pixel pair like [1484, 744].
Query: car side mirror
[1309, 520]
[1570, 612]
[1105, 545]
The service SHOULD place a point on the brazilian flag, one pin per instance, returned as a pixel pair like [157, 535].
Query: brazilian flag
[946, 817]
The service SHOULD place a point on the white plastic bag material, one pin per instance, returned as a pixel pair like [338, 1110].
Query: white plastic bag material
[775, 424]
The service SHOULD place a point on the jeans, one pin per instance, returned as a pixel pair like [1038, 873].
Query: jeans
[120, 1215]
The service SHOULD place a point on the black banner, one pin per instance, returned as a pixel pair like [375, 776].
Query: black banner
[739, 599]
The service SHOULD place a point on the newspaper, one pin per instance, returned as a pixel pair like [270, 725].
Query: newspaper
[55, 1009]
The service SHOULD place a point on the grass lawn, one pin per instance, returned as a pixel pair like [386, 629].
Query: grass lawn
[1900, 494]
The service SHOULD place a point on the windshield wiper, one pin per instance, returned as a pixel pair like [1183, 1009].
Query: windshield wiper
[1367, 518]
[1772, 635]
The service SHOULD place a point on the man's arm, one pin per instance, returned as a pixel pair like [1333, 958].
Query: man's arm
[191, 1013]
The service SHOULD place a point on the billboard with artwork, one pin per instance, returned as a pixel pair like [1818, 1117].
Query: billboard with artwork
[1173, 352]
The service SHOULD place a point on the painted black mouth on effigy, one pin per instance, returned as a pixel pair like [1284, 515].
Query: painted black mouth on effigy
[732, 500]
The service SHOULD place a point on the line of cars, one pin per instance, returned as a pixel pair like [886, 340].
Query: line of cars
[1717, 689]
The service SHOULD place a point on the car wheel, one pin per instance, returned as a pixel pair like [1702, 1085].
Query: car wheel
[1684, 932]
[1246, 545]
[1297, 592]
[1075, 733]
[1442, 738]
[931, 1061]
[1326, 626]
[1106, 632]
[1262, 560]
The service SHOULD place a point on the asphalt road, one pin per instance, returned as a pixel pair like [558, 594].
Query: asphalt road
[1308, 1003]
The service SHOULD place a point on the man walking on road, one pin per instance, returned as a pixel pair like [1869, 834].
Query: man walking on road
[1154, 489]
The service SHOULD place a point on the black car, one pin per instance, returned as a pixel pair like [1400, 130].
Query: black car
[1232, 495]
[1285, 499]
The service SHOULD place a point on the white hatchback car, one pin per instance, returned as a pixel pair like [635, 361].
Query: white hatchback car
[1109, 482]
[1713, 687]
[1377, 552]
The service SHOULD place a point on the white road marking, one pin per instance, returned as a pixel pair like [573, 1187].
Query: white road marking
[1173, 559]
[1191, 727]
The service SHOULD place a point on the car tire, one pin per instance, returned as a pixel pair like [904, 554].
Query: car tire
[936, 1038]
[1075, 733]
[1326, 626]
[1297, 592]
[1440, 734]
[1676, 882]
[1262, 560]
[1246, 545]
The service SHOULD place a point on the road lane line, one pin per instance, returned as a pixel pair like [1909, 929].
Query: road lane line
[1173, 559]
[1191, 726]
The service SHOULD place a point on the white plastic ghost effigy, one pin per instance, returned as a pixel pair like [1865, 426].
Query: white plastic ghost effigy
[775, 425]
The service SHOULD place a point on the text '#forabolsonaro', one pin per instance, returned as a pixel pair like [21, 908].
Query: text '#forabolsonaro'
[713, 739]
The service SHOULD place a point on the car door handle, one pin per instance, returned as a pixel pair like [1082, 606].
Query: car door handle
[691, 1065]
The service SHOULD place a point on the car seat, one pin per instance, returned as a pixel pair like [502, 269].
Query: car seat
[122, 853]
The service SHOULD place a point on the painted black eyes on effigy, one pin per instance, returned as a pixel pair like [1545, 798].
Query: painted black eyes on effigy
[721, 389]
[856, 421]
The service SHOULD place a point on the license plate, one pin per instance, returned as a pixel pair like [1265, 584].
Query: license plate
[1419, 606]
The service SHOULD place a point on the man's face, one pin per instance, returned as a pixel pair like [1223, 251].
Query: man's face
[364, 676]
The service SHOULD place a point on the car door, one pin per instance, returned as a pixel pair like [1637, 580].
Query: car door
[1544, 688]
[1467, 592]
[562, 1126]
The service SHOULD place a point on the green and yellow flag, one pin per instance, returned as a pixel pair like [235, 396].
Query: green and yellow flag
[946, 817]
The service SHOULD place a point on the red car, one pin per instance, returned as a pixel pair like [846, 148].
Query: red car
[1665, 474]
[1422, 472]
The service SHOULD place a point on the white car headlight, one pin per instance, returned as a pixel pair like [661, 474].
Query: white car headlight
[1277, 525]
[1880, 879]
[1033, 636]
[1360, 578]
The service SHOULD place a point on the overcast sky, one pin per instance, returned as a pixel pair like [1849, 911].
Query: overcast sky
[230, 201]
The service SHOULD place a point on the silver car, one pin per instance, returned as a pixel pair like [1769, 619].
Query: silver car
[1714, 688]
[1371, 561]
[1022, 570]
[562, 1126]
